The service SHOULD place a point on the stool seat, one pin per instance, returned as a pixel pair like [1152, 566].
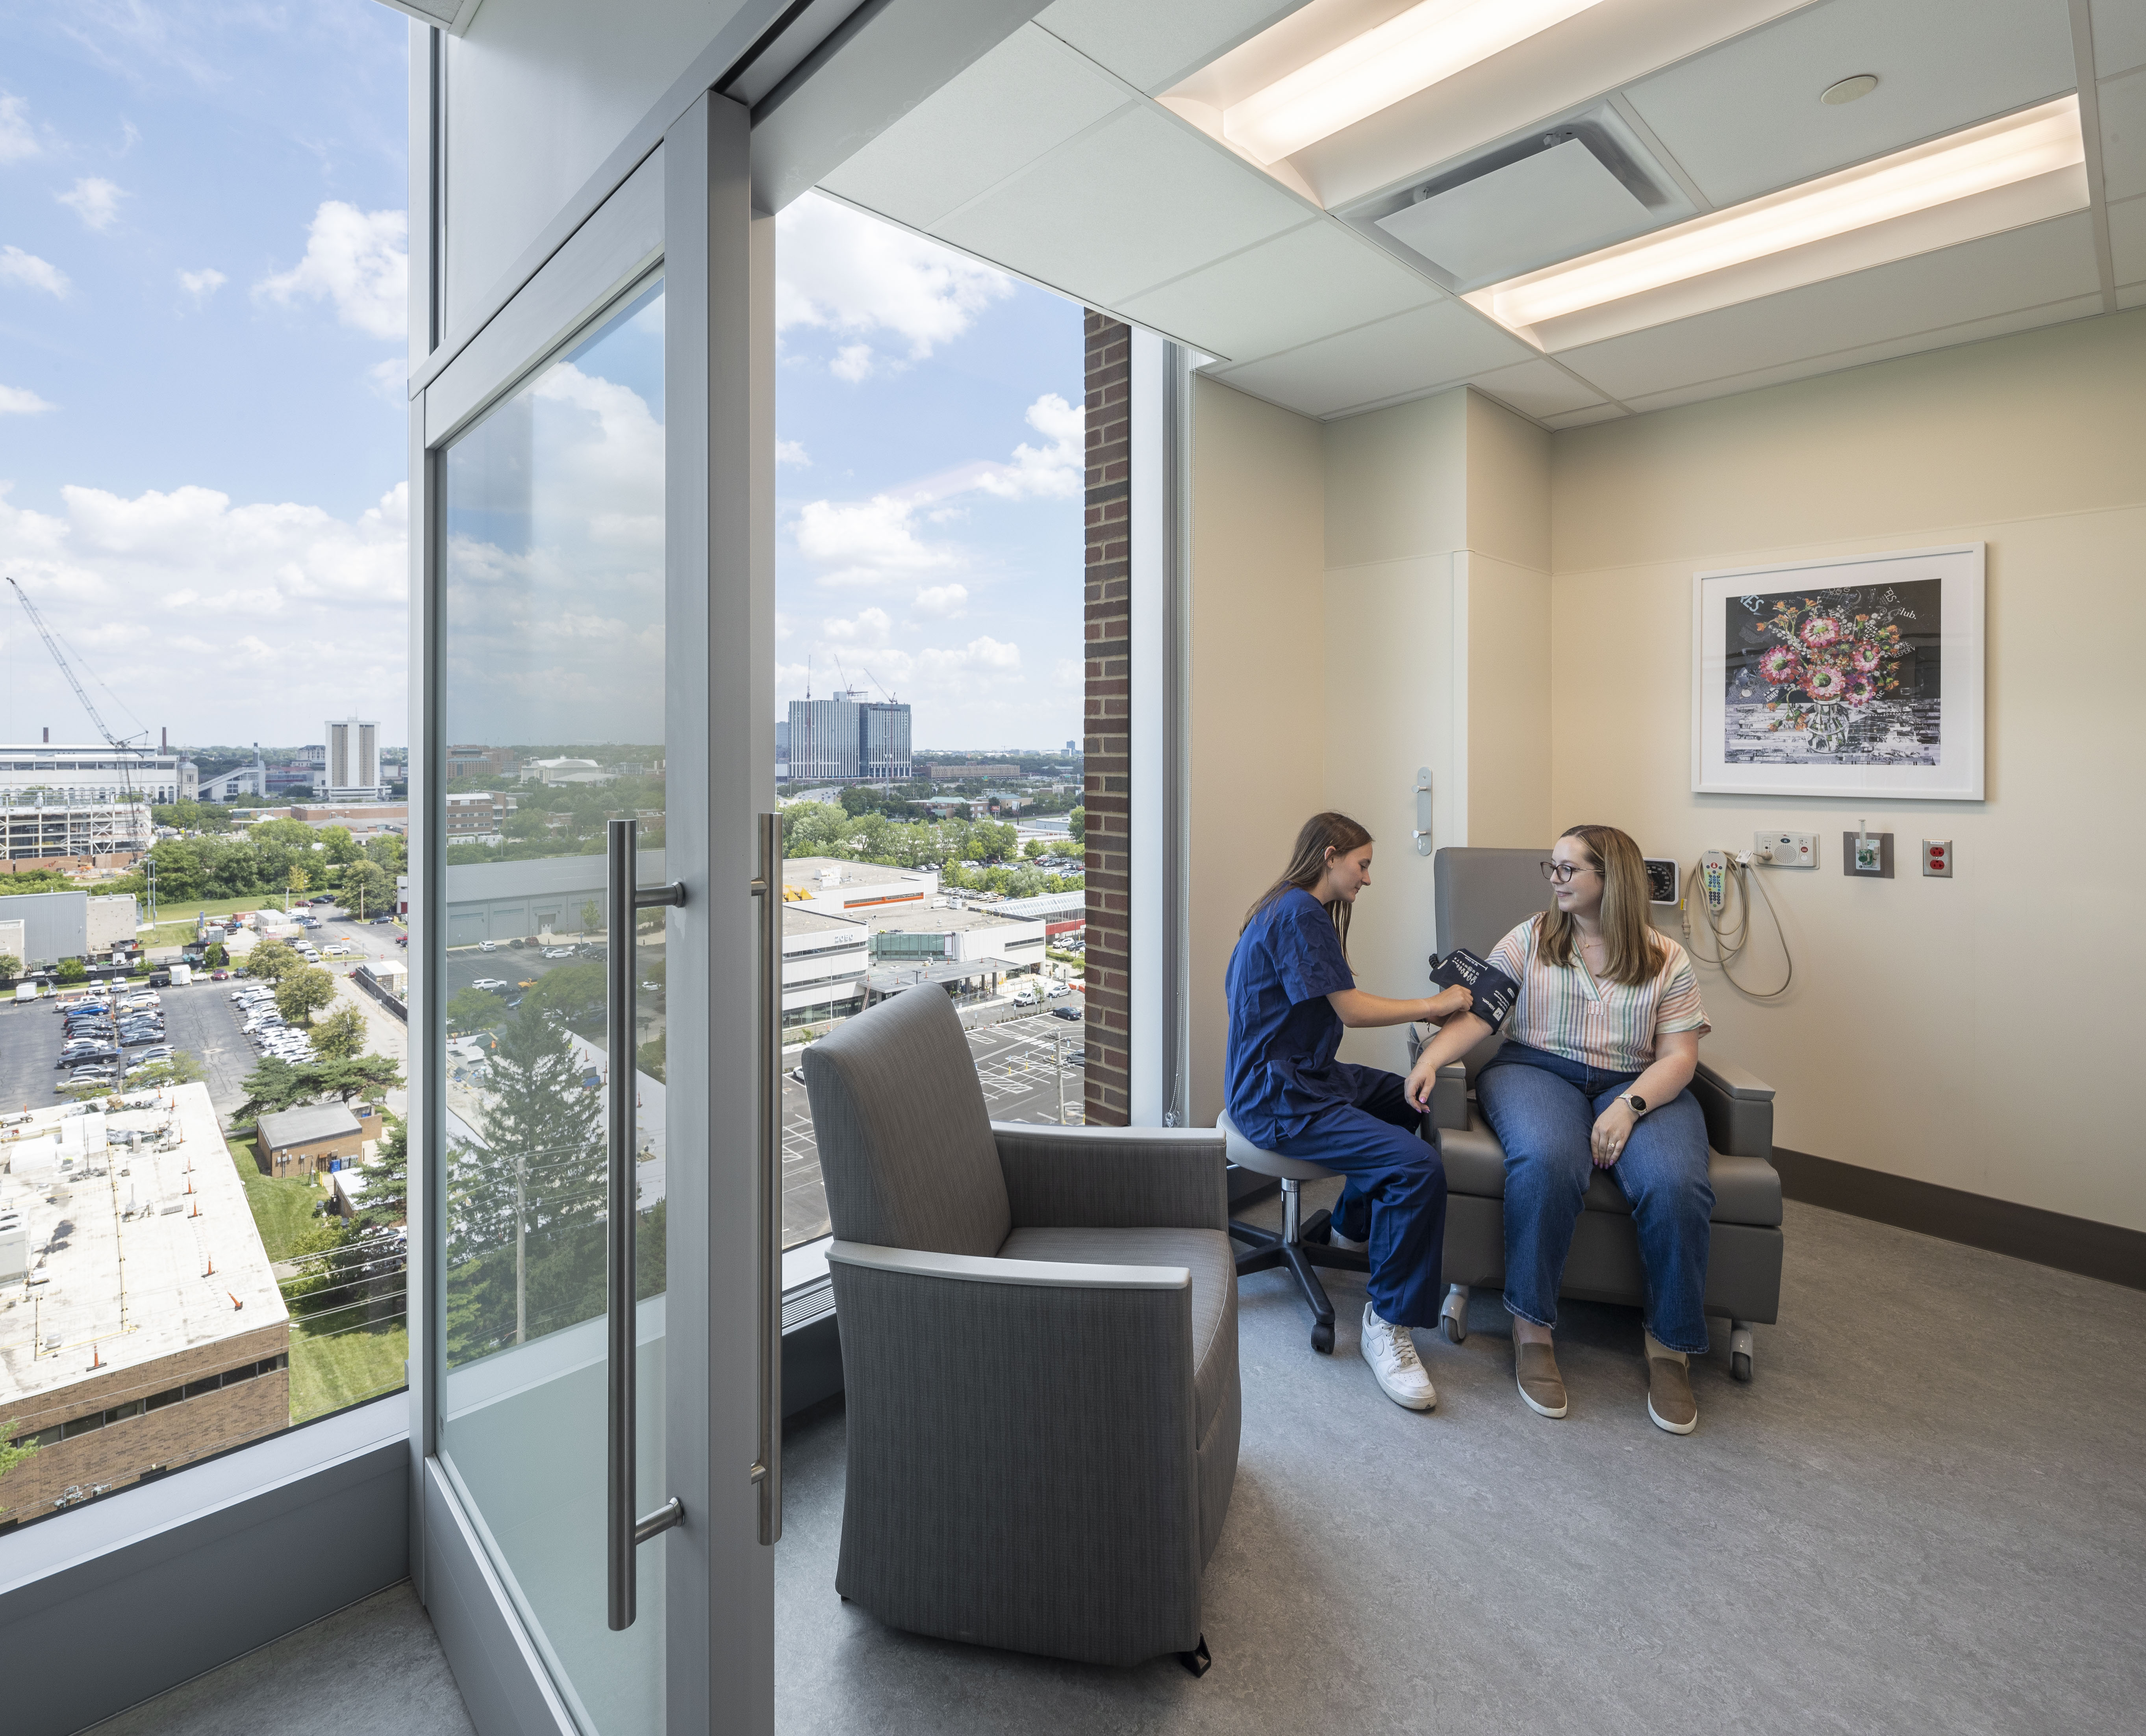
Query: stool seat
[1245, 1155]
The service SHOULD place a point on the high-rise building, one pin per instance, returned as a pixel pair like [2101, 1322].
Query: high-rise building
[351, 772]
[845, 739]
[883, 743]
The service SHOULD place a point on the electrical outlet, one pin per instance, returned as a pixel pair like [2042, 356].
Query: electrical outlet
[1937, 858]
[1787, 849]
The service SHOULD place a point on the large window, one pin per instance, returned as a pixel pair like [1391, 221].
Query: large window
[929, 676]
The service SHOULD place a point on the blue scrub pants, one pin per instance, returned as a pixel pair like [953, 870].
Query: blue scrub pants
[1396, 1184]
[1543, 1108]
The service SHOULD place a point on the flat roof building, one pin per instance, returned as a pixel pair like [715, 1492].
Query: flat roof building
[836, 887]
[94, 772]
[315, 1136]
[140, 1324]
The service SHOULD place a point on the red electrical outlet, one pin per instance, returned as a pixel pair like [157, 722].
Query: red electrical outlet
[1937, 858]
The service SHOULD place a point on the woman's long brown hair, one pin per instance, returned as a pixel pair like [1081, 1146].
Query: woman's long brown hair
[1307, 862]
[1635, 949]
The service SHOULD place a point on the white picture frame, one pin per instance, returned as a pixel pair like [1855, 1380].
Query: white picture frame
[1860, 676]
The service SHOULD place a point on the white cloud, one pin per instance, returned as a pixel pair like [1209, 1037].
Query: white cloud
[391, 379]
[32, 273]
[1056, 470]
[95, 200]
[792, 451]
[17, 142]
[985, 655]
[857, 277]
[866, 540]
[130, 581]
[21, 401]
[942, 602]
[202, 284]
[869, 626]
[356, 259]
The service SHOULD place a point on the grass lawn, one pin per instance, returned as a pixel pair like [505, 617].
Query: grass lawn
[282, 1207]
[328, 1372]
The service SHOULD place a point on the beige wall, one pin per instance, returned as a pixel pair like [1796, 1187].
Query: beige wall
[1922, 1036]
[1258, 680]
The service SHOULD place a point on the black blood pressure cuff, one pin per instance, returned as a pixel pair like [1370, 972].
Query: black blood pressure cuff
[1494, 992]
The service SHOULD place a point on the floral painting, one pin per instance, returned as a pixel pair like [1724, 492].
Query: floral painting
[1845, 676]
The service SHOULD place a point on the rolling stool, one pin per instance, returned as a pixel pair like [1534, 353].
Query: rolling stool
[1300, 1246]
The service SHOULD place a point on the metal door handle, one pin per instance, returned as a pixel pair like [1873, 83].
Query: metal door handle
[623, 1529]
[766, 1472]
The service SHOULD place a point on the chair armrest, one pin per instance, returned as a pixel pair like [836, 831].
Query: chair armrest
[1739, 1107]
[1113, 1178]
[1449, 1096]
[988, 1269]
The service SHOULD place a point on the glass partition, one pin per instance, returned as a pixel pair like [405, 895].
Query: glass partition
[552, 677]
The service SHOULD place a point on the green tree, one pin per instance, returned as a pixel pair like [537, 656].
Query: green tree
[366, 886]
[574, 994]
[475, 1009]
[339, 1036]
[11, 1454]
[649, 1058]
[592, 916]
[387, 1175]
[391, 850]
[299, 882]
[342, 847]
[183, 1069]
[368, 1076]
[11, 967]
[72, 970]
[303, 993]
[273, 1086]
[1034, 847]
[1078, 820]
[272, 961]
[216, 956]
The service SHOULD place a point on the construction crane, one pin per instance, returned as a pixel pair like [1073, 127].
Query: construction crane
[105, 842]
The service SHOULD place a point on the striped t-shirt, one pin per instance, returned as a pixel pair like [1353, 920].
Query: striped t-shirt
[1609, 1025]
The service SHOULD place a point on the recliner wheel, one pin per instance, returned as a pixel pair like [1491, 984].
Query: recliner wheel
[1456, 1329]
[1322, 1336]
[1739, 1365]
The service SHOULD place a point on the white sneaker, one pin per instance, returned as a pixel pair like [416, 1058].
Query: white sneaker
[1394, 1365]
[1335, 1238]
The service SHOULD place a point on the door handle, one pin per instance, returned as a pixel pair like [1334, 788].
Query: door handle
[623, 1529]
[766, 1472]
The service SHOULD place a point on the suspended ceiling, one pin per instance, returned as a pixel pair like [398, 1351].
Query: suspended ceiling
[1085, 152]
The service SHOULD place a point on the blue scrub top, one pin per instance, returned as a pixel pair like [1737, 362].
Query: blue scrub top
[1283, 1030]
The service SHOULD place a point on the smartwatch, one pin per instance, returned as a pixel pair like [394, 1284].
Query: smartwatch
[1638, 1103]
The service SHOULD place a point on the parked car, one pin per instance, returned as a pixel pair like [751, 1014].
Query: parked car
[1066, 1012]
[1052, 990]
[490, 985]
[375, 922]
[558, 952]
[219, 976]
[485, 946]
[160, 979]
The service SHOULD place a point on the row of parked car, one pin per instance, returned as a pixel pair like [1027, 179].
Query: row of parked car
[98, 1034]
[271, 1034]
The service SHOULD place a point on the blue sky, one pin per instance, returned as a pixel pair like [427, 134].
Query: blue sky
[202, 432]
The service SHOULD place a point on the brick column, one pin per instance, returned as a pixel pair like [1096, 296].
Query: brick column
[1107, 781]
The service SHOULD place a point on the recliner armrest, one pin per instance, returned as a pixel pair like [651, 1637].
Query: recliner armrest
[1739, 1107]
[1449, 1096]
[1113, 1178]
[986, 1268]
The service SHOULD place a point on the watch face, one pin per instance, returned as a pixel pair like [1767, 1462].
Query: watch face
[1638, 1103]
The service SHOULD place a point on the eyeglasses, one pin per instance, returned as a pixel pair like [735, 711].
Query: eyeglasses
[1559, 873]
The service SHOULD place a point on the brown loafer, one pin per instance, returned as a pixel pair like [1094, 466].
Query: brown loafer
[1669, 1403]
[1541, 1386]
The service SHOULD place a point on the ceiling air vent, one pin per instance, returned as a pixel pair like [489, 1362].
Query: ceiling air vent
[1563, 194]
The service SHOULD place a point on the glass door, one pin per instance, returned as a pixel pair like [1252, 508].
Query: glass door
[600, 1435]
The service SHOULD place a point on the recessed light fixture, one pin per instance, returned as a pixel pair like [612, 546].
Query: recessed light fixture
[1848, 89]
[1424, 46]
[2036, 142]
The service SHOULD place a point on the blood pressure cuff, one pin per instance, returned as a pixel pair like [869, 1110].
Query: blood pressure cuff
[1494, 992]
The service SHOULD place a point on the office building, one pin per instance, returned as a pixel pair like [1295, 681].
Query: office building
[883, 743]
[59, 925]
[91, 773]
[474, 760]
[349, 768]
[846, 740]
[1481, 400]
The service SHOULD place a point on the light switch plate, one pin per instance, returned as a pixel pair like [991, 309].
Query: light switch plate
[1791, 849]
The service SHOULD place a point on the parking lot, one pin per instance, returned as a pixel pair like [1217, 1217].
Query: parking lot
[1021, 1062]
[197, 1016]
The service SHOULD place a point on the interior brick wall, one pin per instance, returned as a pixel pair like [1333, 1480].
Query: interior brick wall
[1107, 781]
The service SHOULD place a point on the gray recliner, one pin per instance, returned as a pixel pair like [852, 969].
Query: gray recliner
[1039, 1330]
[1482, 895]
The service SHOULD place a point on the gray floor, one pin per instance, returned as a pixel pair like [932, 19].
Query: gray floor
[1926, 1513]
[373, 1669]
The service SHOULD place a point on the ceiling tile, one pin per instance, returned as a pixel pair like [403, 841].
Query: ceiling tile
[2127, 240]
[1153, 45]
[1973, 331]
[2119, 36]
[2029, 268]
[1581, 418]
[2123, 135]
[1540, 388]
[1744, 119]
[1300, 286]
[1413, 352]
[1134, 203]
[1030, 93]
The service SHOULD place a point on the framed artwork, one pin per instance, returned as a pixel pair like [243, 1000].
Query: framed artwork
[1856, 677]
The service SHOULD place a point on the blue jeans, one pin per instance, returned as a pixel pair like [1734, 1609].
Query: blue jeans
[1543, 1108]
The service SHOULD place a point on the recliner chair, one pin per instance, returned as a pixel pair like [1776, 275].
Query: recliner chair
[1482, 895]
[1039, 1331]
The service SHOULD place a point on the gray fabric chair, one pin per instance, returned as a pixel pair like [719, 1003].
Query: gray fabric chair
[1481, 896]
[1039, 1329]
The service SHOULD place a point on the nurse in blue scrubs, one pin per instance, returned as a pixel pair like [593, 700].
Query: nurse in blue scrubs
[1291, 994]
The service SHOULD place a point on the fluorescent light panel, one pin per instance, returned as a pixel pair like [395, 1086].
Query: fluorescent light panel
[1422, 47]
[2036, 142]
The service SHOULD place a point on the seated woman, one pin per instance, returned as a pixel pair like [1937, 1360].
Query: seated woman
[1290, 993]
[1599, 1046]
